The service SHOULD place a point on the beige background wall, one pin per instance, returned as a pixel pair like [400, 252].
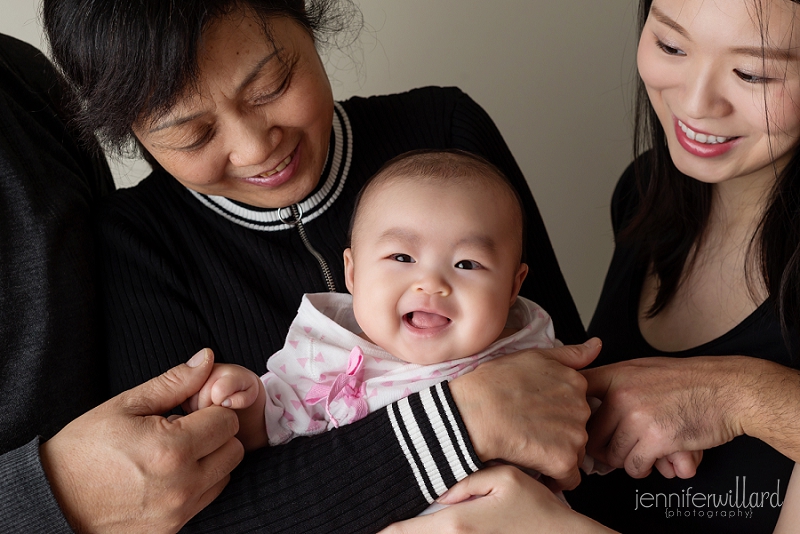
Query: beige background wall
[555, 76]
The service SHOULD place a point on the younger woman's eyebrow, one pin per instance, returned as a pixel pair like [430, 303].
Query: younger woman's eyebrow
[758, 52]
[252, 75]
[666, 21]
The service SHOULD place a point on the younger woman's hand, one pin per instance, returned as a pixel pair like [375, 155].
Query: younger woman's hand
[508, 501]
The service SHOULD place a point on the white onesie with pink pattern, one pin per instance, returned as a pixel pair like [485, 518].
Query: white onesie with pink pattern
[327, 376]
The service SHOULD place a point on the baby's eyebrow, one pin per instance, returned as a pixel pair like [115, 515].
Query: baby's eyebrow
[399, 234]
[481, 241]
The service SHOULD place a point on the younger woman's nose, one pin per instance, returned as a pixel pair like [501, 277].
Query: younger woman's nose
[704, 97]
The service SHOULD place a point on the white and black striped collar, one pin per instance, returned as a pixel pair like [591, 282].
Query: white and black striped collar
[340, 153]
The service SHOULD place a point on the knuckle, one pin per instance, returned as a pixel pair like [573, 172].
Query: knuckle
[166, 460]
[563, 464]
[461, 526]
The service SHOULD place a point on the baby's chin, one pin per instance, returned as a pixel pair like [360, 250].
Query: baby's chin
[421, 356]
[420, 353]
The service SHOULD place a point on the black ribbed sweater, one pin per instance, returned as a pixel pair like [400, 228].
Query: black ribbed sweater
[184, 271]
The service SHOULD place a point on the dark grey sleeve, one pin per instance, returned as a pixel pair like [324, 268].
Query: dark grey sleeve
[50, 369]
[26, 501]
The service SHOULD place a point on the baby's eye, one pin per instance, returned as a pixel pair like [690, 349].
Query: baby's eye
[468, 265]
[402, 258]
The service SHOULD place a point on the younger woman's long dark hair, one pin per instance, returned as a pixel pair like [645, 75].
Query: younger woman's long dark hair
[675, 208]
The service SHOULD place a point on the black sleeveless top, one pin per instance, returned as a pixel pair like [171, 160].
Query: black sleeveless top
[739, 486]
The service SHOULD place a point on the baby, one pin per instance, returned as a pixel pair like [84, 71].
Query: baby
[434, 269]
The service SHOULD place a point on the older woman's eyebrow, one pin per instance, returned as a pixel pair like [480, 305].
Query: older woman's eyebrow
[252, 75]
[257, 69]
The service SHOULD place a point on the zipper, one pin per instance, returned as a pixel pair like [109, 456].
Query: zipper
[296, 220]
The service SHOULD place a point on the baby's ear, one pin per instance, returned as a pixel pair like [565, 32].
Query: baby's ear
[522, 272]
[349, 275]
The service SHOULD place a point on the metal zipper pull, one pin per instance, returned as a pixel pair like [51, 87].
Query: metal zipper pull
[295, 218]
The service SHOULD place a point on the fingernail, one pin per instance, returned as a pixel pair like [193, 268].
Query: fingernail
[588, 464]
[442, 498]
[226, 403]
[197, 359]
[593, 343]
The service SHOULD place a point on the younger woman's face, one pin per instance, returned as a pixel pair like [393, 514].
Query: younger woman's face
[714, 75]
[257, 125]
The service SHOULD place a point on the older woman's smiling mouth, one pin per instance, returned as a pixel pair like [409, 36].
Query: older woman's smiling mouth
[282, 165]
[281, 174]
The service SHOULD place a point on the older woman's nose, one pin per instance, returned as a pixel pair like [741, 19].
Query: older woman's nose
[251, 141]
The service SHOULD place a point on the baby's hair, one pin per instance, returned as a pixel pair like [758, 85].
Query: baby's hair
[450, 165]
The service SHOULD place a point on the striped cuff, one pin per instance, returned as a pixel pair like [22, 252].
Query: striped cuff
[434, 440]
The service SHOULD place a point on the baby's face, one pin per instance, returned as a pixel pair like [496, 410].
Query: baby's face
[434, 268]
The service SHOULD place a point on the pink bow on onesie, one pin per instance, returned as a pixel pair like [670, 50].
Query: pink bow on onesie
[347, 393]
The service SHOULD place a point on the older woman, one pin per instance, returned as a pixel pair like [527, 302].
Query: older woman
[256, 169]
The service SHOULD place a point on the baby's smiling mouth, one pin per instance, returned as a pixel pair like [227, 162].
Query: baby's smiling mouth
[425, 320]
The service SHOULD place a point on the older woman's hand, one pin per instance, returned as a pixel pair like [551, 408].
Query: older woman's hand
[653, 407]
[530, 409]
[509, 501]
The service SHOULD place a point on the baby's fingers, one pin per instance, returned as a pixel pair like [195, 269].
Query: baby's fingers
[681, 464]
[235, 391]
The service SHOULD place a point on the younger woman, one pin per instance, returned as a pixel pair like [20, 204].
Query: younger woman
[706, 274]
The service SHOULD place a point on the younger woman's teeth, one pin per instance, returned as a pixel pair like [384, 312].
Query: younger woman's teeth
[702, 138]
[282, 165]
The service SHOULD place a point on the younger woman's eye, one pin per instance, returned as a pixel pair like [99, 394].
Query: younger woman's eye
[751, 78]
[669, 50]
[402, 258]
[468, 265]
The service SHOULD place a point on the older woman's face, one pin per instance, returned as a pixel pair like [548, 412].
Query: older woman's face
[256, 127]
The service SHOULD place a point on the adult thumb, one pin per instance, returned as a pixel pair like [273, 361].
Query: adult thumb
[577, 356]
[170, 389]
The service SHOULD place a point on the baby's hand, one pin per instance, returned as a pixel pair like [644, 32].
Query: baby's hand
[230, 386]
[680, 464]
[240, 389]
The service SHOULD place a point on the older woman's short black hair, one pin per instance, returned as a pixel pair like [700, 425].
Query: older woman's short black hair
[131, 59]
